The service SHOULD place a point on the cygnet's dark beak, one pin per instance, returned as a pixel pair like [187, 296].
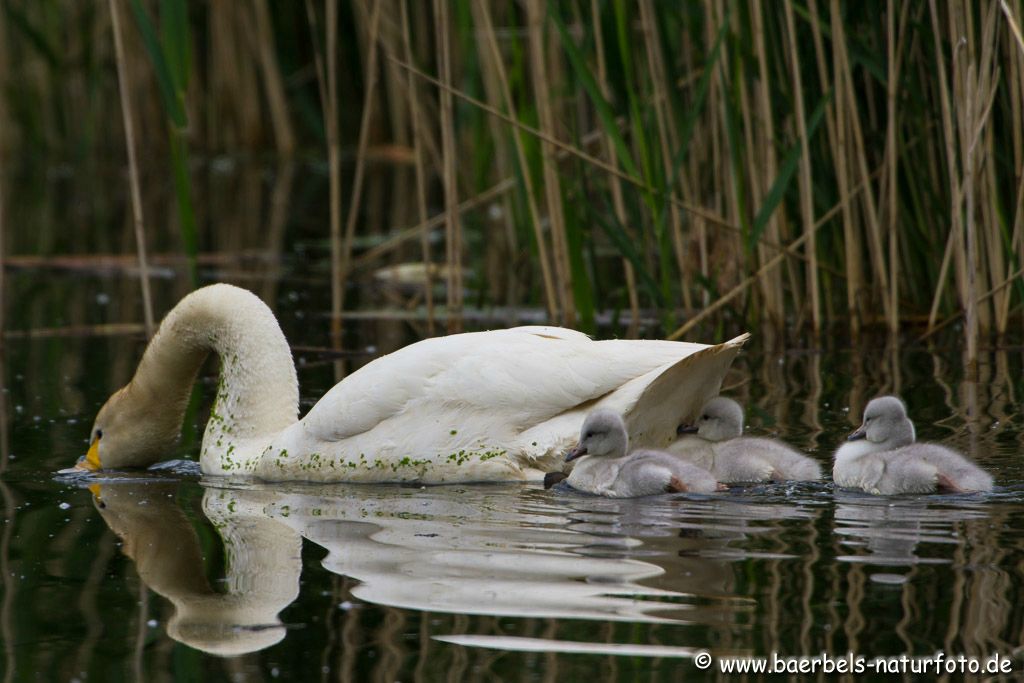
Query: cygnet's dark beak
[577, 452]
[686, 429]
[857, 434]
[552, 478]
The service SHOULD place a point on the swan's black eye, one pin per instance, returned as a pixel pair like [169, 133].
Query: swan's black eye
[99, 433]
[705, 417]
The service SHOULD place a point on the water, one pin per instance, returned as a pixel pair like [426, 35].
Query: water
[163, 575]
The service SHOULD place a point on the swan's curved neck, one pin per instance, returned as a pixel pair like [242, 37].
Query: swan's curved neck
[258, 392]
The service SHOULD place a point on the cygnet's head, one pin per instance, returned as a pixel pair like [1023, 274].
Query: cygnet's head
[603, 434]
[885, 424]
[720, 419]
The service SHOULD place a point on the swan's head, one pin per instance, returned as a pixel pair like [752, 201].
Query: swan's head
[132, 429]
[720, 419]
[603, 434]
[885, 424]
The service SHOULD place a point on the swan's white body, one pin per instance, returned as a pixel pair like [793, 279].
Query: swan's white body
[606, 467]
[881, 457]
[717, 447]
[487, 406]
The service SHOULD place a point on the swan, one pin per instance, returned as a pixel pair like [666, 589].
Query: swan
[608, 468]
[715, 443]
[484, 406]
[881, 457]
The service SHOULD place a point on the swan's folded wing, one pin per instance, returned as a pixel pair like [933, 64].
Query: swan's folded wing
[521, 376]
[655, 404]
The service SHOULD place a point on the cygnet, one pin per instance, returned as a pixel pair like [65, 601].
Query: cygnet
[607, 468]
[715, 442]
[881, 457]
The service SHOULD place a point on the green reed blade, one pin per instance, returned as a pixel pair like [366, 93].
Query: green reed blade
[589, 83]
[789, 165]
[165, 80]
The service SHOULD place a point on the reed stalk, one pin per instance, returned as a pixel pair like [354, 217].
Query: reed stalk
[615, 185]
[860, 166]
[666, 139]
[790, 249]
[365, 124]
[573, 151]
[453, 226]
[535, 15]
[421, 174]
[806, 185]
[133, 168]
[892, 168]
[284, 135]
[327, 82]
[551, 297]
[851, 240]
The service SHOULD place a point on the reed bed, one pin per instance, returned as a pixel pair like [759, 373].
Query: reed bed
[796, 167]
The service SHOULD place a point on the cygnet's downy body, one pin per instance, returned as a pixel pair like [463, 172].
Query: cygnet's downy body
[881, 457]
[715, 442]
[607, 468]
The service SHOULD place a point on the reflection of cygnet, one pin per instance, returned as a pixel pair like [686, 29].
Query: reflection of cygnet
[716, 443]
[881, 457]
[606, 469]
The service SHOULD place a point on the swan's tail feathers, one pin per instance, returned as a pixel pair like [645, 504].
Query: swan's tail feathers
[656, 403]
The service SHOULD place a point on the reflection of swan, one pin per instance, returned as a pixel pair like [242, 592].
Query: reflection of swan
[608, 468]
[506, 551]
[716, 443]
[468, 553]
[485, 406]
[881, 457]
[263, 565]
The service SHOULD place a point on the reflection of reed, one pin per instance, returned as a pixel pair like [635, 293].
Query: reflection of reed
[7, 604]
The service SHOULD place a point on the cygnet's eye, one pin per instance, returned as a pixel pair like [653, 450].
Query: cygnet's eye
[588, 435]
[705, 417]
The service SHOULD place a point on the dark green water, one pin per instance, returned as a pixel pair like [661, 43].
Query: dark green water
[158, 576]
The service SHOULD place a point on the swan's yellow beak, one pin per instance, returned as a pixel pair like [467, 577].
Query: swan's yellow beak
[91, 461]
[95, 490]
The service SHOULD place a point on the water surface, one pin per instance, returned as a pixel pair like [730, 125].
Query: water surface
[163, 575]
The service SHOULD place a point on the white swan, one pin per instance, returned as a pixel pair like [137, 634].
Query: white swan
[881, 457]
[608, 468]
[486, 406]
[715, 442]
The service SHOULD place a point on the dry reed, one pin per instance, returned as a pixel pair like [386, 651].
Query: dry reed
[133, 168]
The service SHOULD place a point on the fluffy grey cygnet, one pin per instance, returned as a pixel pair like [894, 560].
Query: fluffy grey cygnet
[715, 442]
[882, 457]
[607, 468]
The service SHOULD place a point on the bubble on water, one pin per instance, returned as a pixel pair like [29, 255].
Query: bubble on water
[103, 298]
[152, 623]
[65, 506]
[345, 606]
